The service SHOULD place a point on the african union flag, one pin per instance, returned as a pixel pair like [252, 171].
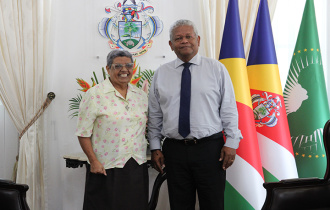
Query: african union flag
[306, 100]
[244, 188]
[267, 102]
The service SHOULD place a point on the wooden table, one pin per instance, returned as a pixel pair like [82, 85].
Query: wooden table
[76, 160]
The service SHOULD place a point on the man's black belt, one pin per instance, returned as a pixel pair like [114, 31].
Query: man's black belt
[194, 141]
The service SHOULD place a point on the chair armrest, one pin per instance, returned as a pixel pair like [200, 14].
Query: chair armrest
[6, 182]
[155, 190]
[293, 182]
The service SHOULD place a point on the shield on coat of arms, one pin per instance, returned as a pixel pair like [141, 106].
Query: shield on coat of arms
[266, 110]
[130, 33]
[260, 112]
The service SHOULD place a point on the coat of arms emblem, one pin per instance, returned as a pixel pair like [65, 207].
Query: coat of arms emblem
[266, 109]
[132, 27]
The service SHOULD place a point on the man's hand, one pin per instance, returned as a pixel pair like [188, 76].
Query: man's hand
[157, 159]
[228, 157]
[97, 168]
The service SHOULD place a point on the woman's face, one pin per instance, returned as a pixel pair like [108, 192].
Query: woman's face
[121, 71]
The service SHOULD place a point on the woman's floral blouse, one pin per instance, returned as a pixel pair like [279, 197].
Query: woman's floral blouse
[116, 125]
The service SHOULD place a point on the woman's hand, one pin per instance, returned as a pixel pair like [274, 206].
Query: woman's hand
[86, 145]
[97, 168]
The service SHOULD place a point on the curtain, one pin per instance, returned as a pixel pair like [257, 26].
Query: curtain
[213, 15]
[24, 32]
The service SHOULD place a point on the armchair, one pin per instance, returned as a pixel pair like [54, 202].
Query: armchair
[13, 196]
[301, 193]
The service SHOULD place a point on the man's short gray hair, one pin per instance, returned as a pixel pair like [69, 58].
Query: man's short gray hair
[118, 53]
[182, 22]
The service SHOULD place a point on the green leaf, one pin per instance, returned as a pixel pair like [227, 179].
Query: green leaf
[145, 75]
[97, 82]
[104, 74]
[74, 105]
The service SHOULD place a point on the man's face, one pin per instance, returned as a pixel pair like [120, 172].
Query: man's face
[185, 43]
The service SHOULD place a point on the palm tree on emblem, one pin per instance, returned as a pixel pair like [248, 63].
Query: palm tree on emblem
[130, 28]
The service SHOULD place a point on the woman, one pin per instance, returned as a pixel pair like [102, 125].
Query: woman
[111, 131]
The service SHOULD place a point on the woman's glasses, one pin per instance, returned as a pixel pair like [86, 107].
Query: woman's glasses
[118, 66]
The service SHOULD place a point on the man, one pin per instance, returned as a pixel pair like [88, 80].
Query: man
[192, 123]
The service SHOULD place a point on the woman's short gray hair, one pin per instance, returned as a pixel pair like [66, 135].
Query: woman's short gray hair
[118, 53]
[182, 22]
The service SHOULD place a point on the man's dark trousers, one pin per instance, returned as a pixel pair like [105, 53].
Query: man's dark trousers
[195, 167]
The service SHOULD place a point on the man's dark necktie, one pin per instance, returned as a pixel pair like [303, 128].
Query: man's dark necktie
[184, 114]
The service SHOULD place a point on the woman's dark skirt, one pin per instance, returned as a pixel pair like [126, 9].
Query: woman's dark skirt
[122, 189]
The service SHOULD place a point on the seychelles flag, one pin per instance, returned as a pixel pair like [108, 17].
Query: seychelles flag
[267, 102]
[244, 188]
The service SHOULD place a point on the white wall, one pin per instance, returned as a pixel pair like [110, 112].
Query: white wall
[8, 144]
[77, 42]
